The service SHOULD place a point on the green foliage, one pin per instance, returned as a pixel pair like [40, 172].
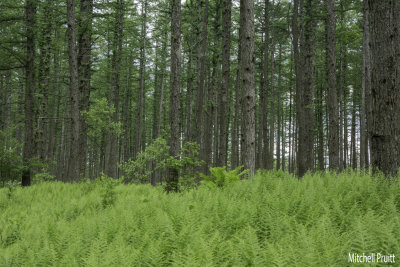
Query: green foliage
[265, 221]
[220, 177]
[11, 165]
[156, 157]
[98, 119]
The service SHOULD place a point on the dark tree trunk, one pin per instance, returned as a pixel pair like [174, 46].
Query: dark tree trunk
[333, 138]
[385, 84]
[30, 13]
[73, 161]
[111, 168]
[84, 65]
[366, 88]
[172, 180]
[278, 130]
[264, 104]
[223, 97]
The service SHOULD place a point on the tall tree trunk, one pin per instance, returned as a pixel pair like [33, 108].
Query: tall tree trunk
[223, 97]
[247, 71]
[201, 71]
[172, 181]
[140, 124]
[304, 87]
[264, 109]
[30, 14]
[385, 83]
[84, 65]
[111, 154]
[333, 144]
[73, 162]
[278, 130]
[272, 109]
[236, 120]
[353, 146]
[366, 88]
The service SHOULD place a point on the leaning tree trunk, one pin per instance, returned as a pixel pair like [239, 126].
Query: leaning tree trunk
[385, 85]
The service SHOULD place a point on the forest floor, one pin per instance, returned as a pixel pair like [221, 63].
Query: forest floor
[272, 219]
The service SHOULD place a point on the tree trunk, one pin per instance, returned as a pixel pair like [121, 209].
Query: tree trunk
[172, 181]
[247, 71]
[73, 162]
[84, 65]
[385, 83]
[264, 109]
[111, 168]
[333, 139]
[278, 130]
[30, 13]
[366, 88]
[223, 97]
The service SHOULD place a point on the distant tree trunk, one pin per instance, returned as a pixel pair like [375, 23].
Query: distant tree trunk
[264, 104]
[202, 37]
[247, 71]
[111, 168]
[272, 109]
[189, 98]
[385, 83]
[84, 65]
[278, 130]
[333, 139]
[236, 120]
[353, 146]
[172, 180]
[30, 13]
[366, 88]
[320, 129]
[73, 162]
[223, 97]
[44, 79]
[127, 109]
[140, 123]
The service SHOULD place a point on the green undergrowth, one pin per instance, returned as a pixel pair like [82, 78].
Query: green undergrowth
[272, 219]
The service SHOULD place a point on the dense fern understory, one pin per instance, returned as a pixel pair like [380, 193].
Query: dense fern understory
[270, 220]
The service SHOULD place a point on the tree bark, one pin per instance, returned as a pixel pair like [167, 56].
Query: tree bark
[73, 162]
[111, 168]
[333, 138]
[385, 83]
[30, 14]
[223, 97]
[84, 68]
[172, 181]
[264, 109]
[366, 88]
[247, 71]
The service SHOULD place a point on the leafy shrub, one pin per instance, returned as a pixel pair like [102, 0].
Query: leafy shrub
[107, 185]
[156, 157]
[220, 177]
[11, 165]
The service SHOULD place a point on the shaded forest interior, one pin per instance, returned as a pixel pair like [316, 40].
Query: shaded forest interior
[156, 90]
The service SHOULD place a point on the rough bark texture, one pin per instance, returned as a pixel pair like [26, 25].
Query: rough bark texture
[270, 164]
[278, 96]
[247, 71]
[73, 161]
[333, 138]
[385, 84]
[172, 180]
[223, 97]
